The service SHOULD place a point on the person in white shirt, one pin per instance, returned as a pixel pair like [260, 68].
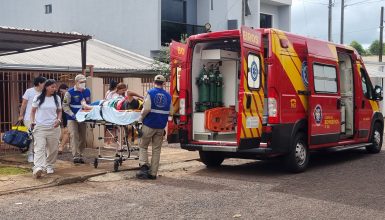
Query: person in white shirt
[26, 106]
[46, 117]
[111, 90]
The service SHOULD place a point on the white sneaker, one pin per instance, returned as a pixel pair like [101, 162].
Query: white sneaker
[30, 158]
[37, 172]
[50, 170]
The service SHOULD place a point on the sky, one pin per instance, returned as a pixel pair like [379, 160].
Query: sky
[362, 20]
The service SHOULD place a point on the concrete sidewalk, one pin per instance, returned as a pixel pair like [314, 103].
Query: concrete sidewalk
[66, 172]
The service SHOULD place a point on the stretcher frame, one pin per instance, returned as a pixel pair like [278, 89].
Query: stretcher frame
[123, 150]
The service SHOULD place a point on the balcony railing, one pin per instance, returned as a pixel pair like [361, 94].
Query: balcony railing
[173, 30]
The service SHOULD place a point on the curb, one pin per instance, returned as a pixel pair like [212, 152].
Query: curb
[60, 181]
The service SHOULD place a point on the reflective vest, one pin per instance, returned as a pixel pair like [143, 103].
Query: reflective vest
[160, 109]
[76, 98]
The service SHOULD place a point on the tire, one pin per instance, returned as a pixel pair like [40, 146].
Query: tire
[376, 139]
[297, 159]
[96, 163]
[116, 166]
[211, 159]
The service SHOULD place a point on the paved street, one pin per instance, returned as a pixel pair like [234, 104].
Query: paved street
[345, 185]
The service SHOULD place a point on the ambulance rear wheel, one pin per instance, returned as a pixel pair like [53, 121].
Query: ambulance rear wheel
[297, 159]
[211, 159]
[376, 139]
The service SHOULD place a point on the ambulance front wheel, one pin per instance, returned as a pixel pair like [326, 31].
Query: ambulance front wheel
[211, 159]
[297, 159]
[376, 139]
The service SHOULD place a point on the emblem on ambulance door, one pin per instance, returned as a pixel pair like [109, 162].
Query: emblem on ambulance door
[304, 74]
[318, 115]
[254, 71]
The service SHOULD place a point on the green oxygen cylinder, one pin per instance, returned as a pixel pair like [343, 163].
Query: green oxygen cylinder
[203, 89]
[212, 87]
[219, 87]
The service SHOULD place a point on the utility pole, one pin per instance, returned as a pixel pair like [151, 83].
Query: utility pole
[342, 21]
[381, 33]
[330, 21]
[243, 13]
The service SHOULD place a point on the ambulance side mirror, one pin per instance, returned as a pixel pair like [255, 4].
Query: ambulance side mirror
[378, 93]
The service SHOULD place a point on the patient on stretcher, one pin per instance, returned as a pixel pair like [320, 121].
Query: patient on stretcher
[122, 100]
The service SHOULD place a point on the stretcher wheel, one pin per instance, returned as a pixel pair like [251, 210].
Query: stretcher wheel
[96, 163]
[116, 165]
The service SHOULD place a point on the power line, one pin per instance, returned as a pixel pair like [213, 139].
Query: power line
[363, 2]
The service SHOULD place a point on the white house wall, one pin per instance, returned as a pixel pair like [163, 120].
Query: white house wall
[133, 24]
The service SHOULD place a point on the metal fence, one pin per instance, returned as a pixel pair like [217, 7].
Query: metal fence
[14, 83]
[12, 87]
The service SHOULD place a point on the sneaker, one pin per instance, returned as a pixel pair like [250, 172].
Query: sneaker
[50, 170]
[143, 172]
[30, 158]
[37, 172]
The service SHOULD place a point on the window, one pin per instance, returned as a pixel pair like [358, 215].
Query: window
[253, 75]
[266, 21]
[48, 9]
[232, 24]
[366, 85]
[325, 78]
[178, 72]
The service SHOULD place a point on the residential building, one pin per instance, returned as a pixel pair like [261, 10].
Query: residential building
[142, 26]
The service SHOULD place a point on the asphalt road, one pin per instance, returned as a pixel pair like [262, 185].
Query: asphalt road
[344, 185]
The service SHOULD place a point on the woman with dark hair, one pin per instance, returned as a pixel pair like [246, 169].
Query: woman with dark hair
[46, 117]
[111, 90]
[65, 136]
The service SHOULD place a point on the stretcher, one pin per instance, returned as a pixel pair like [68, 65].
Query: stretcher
[125, 121]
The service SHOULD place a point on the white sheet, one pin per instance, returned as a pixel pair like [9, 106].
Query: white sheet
[109, 114]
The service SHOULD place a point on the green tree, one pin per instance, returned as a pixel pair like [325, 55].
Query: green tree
[374, 48]
[358, 47]
[161, 62]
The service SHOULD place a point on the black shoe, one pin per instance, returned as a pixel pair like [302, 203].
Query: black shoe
[151, 177]
[81, 161]
[76, 160]
[143, 172]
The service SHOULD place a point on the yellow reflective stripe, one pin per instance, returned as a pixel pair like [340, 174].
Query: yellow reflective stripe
[291, 64]
[374, 105]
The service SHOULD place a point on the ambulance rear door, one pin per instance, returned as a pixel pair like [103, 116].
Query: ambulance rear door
[251, 89]
[178, 56]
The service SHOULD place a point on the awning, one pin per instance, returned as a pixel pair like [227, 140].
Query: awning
[13, 40]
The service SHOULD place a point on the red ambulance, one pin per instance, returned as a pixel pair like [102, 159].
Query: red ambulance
[279, 94]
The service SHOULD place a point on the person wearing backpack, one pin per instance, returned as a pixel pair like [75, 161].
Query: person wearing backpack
[26, 106]
[46, 117]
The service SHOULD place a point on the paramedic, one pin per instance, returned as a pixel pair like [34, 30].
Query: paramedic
[46, 117]
[156, 109]
[71, 105]
[26, 107]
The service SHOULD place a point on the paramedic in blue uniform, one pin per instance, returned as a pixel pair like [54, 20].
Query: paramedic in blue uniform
[72, 103]
[157, 107]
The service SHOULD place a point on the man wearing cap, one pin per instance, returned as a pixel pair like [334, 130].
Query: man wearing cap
[72, 103]
[157, 107]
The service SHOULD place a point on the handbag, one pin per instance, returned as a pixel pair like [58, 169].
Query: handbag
[18, 136]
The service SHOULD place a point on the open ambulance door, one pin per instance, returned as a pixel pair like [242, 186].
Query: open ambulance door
[178, 53]
[324, 112]
[251, 89]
